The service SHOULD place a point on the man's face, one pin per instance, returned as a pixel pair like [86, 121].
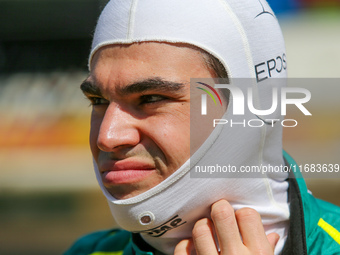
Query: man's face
[140, 123]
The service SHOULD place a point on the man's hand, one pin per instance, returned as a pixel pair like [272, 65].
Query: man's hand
[229, 227]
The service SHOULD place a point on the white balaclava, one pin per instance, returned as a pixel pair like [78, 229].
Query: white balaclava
[245, 37]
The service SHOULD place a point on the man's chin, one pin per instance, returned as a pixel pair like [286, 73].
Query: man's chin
[125, 193]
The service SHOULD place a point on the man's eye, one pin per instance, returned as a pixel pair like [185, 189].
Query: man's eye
[98, 101]
[148, 99]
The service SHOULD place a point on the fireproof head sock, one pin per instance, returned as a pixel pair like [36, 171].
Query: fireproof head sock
[245, 37]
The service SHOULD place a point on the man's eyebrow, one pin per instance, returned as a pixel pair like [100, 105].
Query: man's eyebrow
[151, 84]
[90, 88]
[156, 84]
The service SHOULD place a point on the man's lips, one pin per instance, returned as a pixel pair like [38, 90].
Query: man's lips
[125, 171]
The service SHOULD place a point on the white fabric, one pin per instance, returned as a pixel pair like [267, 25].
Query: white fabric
[242, 34]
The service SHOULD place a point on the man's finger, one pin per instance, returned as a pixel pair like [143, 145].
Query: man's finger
[203, 237]
[273, 238]
[252, 231]
[184, 247]
[223, 216]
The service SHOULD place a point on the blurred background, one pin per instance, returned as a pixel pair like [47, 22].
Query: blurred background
[48, 192]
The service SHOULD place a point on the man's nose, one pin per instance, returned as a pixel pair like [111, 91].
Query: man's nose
[118, 129]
